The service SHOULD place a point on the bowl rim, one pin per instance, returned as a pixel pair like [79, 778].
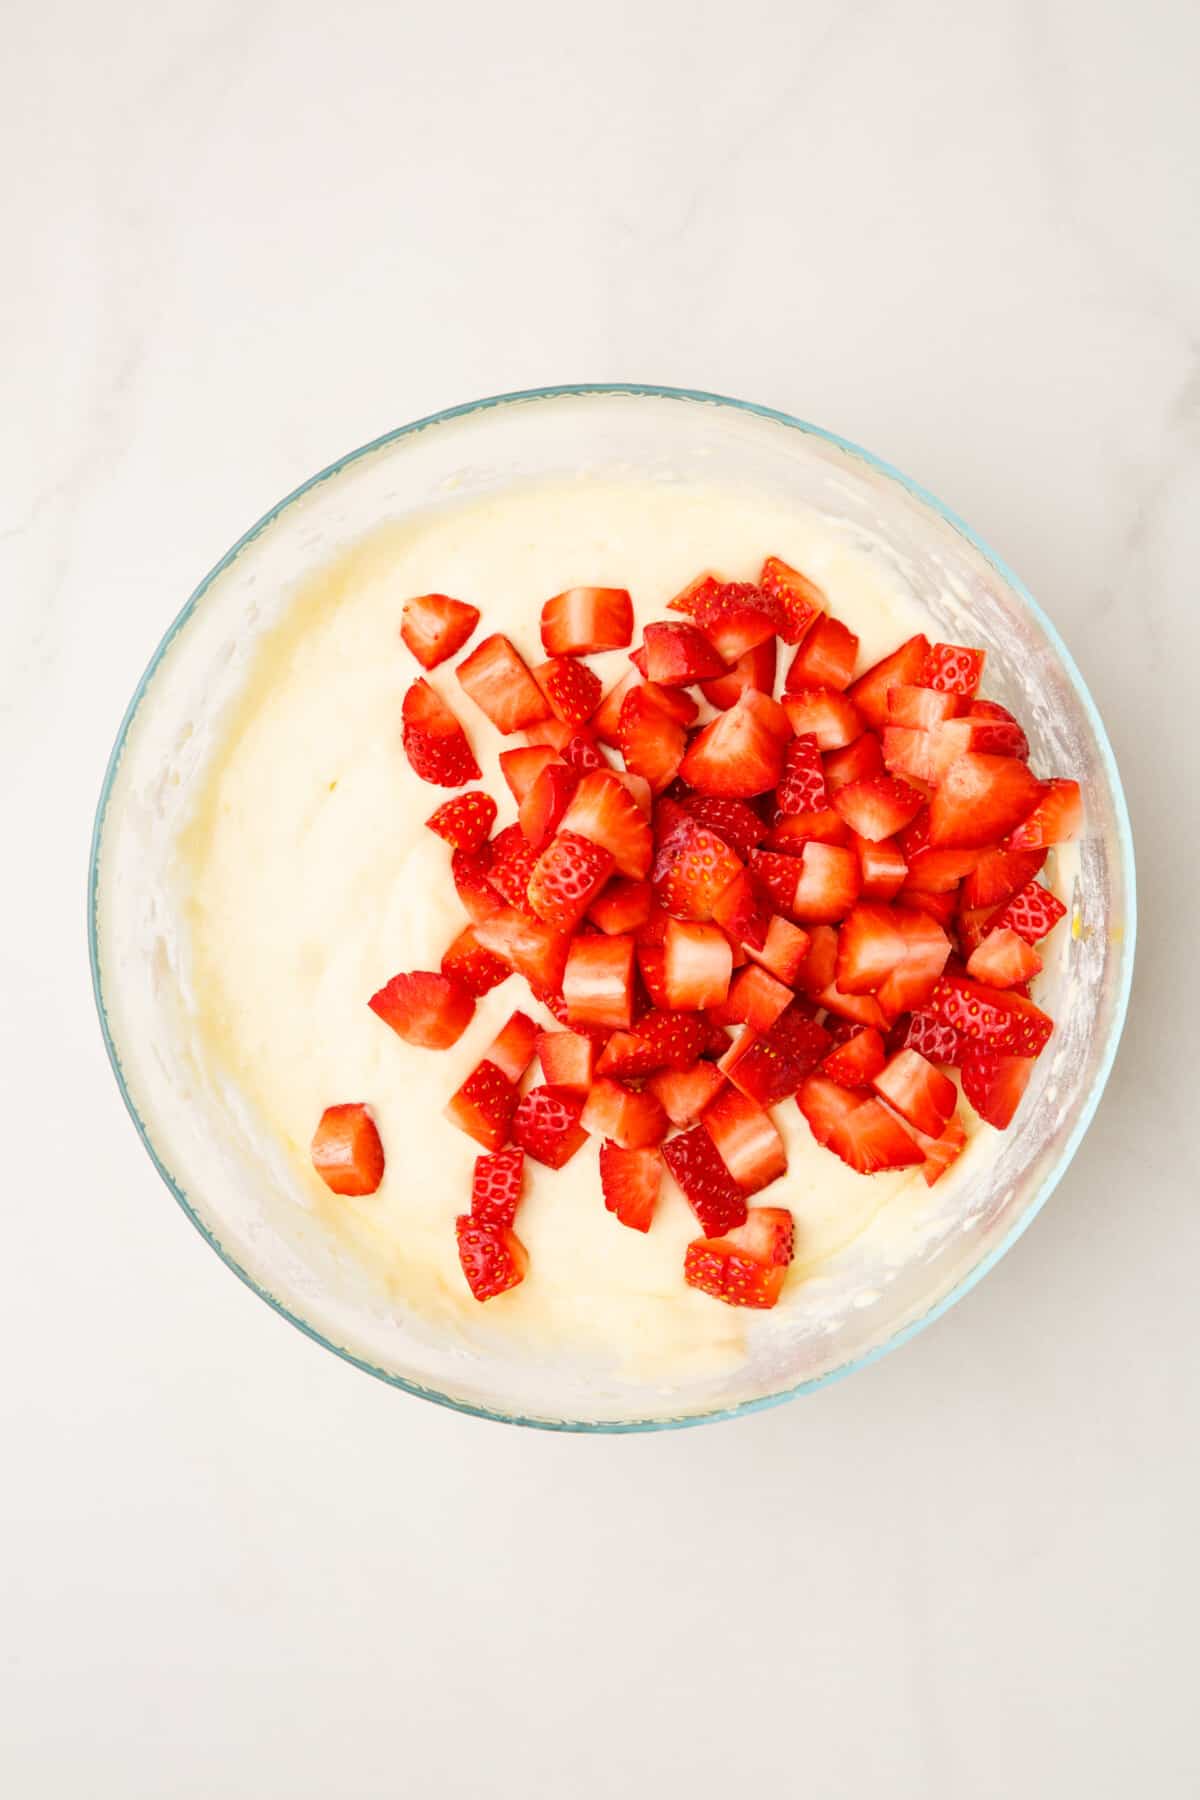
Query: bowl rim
[637, 390]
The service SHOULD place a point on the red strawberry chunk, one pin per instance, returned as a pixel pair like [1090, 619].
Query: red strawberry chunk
[551, 734]
[817, 970]
[583, 620]
[802, 788]
[650, 962]
[676, 1038]
[522, 766]
[627, 1057]
[707, 1186]
[1006, 1021]
[871, 946]
[498, 681]
[1056, 817]
[994, 1082]
[995, 731]
[855, 761]
[935, 1040]
[512, 863]
[792, 831]
[743, 914]
[857, 1059]
[980, 800]
[484, 1105]
[470, 870]
[512, 1051]
[926, 948]
[769, 1066]
[952, 669]
[467, 962]
[903, 667]
[1031, 913]
[530, 946]
[464, 822]
[632, 1120]
[998, 875]
[921, 1094]
[606, 812]
[860, 1009]
[678, 655]
[801, 599]
[434, 626]
[741, 752]
[920, 708]
[826, 658]
[877, 807]
[783, 950]
[582, 755]
[697, 965]
[756, 998]
[737, 616]
[622, 906]
[684, 1093]
[434, 741]
[567, 877]
[573, 690]
[753, 668]
[862, 1132]
[748, 1266]
[832, 718]
[546, 1125]
[496, 1186]
[346, 1150]
[429, 1010]
[598, 982]
[746, 1140]
[692, 871]
[828, 884]
[630, 1180]
[778, 875]
[1004, 959]
[604, 722]
[493, 1258]
[541, 811]
[939, 907]
[943, 1151]
[733, 820]
[568, 1060]
[650, 741]
[882, 868]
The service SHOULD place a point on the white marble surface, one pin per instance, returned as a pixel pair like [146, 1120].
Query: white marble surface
[242, 237]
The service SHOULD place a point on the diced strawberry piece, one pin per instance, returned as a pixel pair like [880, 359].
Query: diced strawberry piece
[828, 885]
[980, 800]
[779, 876]
[816, 972]
[921, 1094]
[742, 912]
[940, 907]
[542, 809]
[859, 1009]
[467, 962]
[598, 982]
[857, 1060]
[855, 761]
[999, 874]
[733, 820]
[801, 599]
[568, 1059]
[493, 1258]
[995, 731]
[552, 734]
[522, 766]
[826, 658]
[697, 965]
[920, 708]
[862, 1132]
[586, 619]
[791, 832]
[832, 718]
[741, 752]
[827, 1106]
[622, 906]
[651, 742]
[706, 1183]
[746, 1139]
[1056, 817]
[882, 868]
[470, 870]
[871, 945]
[952, 669]
[922, 756]
[1006, 1021]
[496, 1185]
[692, 871]
[748, 1266]
[756, 998]
[677, 1038]
[546, 1125]
[902, 668]
[943, 1151]
[878, 806]
[605, 721]
[935, 1040]
[429, 1010]
[512, 1051]
[464, 822]
[1031, 913]
[926, 948]
[737, 617]
[573, 690]
[434, 741]
[632, 1120]
[434, 626]
[696, 592]
[802, 787]
[630, 1180]
[754, 668]
[639, 790]
[606, 812]
[678, 655]
[484, 1105]
[650, 960]
[346, 1150]
[769, 1066]
[1003, 959]
[937, 871]
[566, 879]
[530, 946]
[782, 951]
[684, 1093]
[582, 755]
[512, 863]
[627, 1057]
[994, 1082]
[500, 684]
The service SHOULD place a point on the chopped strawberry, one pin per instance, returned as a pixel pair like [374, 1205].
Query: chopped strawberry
[769, 1066]
[622, 906]
[530, 946]
[496, 1186]
[638, 789]
[801, 599]
[952, 669]
[467, 962]
[802, 787]
[1056, 816]
[651, 742]
[632, 1120]
[567, 877]
[546, 1125]
[733, 820]
[650, 962]
[541, 810]
[676, 1038]
[859, 1009]
[627, 1057]
[493, 1258]
[434, 741]
[994, 1082]
[697, 965]
[921, 1094]
[678, 655]
[464, 822]
[748, 1266]
[710, 590]
[346, 1150]
[871, 946]
[598, 982]
[737, 617]
[1006, 1021]
[573, 690]
[434, 626]
[429, 1010]
[707, 1185]
[522, 766]
[512, 863]
[742, 912]
[816, 972]
[832, 718]
[586, 619]
[902, 668]
[756, 998]
[692, 871]
[484, 1105]
[857, 1059]
[754, 668]
[568, 1059]
[999, 874]
[920, 708]
[943, 1151]
[499, 682]
[741, 752]
[826, 658]
[746, 1139]
[606, 812]
[512, 1051]
[926, 948]
[552, 734]
[862, 1132]
[783, 950]
[778, 875]
[881, 867]
[828, 885]
[582, 755]
[684, 1093]
[995, 731]
[470, 871]
[925, 756]
[630, 1180]
[1003, 959]
[605, 721]
[936, 1040]
[1031, 913]
[878, 806]
[792, 831]
[855, 761]
[980, 799]
[937, 871]
[940, 907]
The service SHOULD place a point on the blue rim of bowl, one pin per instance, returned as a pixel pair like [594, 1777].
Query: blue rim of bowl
[1124, 834]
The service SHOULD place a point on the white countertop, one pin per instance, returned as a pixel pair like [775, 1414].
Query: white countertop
[241, 239]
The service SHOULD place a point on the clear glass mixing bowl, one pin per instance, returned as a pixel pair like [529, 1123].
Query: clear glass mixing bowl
[234, 1191]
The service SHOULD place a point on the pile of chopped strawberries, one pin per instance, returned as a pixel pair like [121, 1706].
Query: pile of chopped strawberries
[826, 899]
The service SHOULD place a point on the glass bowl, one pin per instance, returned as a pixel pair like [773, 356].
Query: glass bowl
[236, 1193]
